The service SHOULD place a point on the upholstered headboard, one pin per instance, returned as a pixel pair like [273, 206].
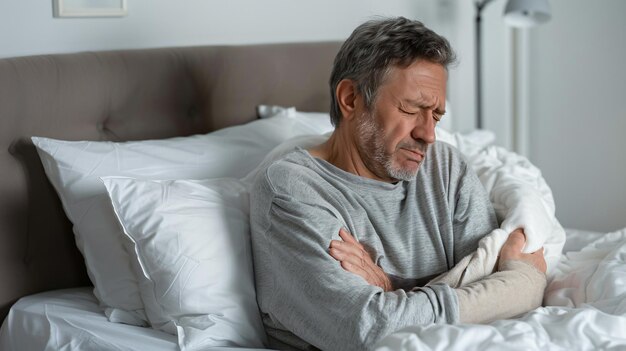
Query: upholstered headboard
[123, 95]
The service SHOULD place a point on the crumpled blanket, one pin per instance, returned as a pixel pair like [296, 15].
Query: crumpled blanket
[585, 310]
[521, 199]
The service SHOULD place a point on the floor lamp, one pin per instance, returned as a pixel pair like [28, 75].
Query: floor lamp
[517, 13]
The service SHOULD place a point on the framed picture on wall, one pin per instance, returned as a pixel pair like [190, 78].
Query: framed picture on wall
[89, 8]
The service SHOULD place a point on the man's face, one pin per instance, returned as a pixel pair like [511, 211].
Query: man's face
[393, 138]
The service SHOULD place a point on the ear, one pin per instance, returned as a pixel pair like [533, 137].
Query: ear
[347, 98]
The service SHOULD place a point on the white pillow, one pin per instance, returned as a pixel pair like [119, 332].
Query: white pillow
[303, 141]
[194, 261]
[74, 168]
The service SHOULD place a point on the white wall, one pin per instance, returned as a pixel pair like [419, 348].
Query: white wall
[453, 19]
[578, 110]
[27, 26]
[575, 71]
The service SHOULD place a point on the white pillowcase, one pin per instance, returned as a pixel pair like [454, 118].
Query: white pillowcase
[195, 266]
[74, 168]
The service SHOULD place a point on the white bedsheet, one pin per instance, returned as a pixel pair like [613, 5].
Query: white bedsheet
[70, 319]
[585, 309]
[587, 294]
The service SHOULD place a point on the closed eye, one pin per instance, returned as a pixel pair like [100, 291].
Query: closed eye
[408, 112]
[436, 116]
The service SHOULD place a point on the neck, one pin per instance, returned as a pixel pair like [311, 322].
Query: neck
[341, 151]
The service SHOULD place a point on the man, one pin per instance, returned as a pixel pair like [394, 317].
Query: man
[347, 234]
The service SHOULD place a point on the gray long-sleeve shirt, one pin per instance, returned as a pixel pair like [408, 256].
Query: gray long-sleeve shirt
[414, 230]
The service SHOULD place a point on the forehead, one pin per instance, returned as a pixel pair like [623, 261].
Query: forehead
[421, 79]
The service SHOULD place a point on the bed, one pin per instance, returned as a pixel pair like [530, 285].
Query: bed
[47, 300]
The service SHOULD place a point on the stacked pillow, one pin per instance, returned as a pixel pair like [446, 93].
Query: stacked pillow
[194, 267]
[122, 259]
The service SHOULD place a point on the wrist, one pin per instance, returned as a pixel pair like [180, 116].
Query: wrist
[521, 266]
[388, 286]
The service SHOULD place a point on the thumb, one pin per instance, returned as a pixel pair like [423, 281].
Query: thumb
[516, 240]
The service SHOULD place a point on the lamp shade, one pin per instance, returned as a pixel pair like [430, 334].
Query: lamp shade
[526, 13]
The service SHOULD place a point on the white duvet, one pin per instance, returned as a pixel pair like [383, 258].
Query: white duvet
[521, 199]
[585, 309]
[585, 302]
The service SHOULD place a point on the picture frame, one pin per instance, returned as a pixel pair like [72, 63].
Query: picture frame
[90, 8]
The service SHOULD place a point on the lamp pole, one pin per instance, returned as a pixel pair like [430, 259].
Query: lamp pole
[517, 13]
[480, 5]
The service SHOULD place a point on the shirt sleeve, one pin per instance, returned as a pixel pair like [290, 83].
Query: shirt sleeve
[516, 289]
[300, 286]
[474, 216]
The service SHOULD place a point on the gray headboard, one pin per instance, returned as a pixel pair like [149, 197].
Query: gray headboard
[124, 95]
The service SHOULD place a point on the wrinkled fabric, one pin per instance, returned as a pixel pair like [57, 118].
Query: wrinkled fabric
[70, 319]
[521, 198]
[585, 310]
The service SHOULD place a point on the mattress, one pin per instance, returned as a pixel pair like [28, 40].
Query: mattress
[71, 319]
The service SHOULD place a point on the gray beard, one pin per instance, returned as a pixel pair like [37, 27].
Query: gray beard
[373, 151]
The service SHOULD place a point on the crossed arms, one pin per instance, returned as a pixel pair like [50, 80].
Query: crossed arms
[305, 296]
[481, 302]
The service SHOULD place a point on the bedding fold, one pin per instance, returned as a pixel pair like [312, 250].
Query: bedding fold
[585, 310]
[521, 198]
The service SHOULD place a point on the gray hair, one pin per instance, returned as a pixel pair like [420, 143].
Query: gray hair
[377, 45]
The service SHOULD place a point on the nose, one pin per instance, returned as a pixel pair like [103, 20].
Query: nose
[424, 129]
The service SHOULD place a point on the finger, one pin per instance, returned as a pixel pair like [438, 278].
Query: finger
[343, 251]
[346, 236]
[518, 234]
[350, 248]
[354, 259]
[340, 245]
[336, 254]
[516, 240]
[519, 230]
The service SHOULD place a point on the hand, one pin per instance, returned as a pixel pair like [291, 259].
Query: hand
[354, 259]
[512, 250]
